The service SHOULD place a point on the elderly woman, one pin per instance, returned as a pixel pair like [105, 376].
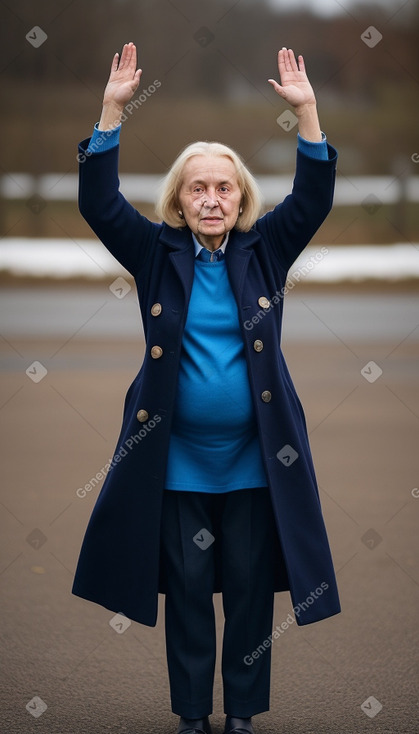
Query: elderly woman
[212, 486]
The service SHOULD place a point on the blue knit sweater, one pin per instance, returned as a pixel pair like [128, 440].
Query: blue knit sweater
[214, 446]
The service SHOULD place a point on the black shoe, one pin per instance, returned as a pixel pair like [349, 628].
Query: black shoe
[235, 725]
[194, 726]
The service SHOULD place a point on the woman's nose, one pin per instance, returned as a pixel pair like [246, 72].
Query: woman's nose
[210, 200]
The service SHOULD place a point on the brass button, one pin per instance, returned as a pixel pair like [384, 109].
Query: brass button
[264, 302]
[266, 396]
[156, 309]
[142, 415]
[258, 345]
[156, 352]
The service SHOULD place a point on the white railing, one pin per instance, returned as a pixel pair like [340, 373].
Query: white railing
[350, 191]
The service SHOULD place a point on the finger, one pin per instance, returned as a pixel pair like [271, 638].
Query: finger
[131, 62]
[292, 61]
[126, 55]
[134, 57]
[281, 60]
[115, 62]
[123, 56]
[137, 76]
[280, 90]
[287, 62]
[301, 64]
[281, 55]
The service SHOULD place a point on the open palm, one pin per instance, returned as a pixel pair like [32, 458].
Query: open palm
[295, 87]
[124, 77]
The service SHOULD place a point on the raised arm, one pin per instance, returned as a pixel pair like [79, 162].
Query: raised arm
[127, 234]
[123, 81]
[296, 89]
[291, 224]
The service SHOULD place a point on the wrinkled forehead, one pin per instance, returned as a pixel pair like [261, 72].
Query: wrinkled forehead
[209, 169]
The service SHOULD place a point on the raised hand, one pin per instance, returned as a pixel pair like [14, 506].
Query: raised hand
[123, 79]
[295, 87]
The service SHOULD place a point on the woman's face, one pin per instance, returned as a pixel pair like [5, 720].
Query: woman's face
[209, 198]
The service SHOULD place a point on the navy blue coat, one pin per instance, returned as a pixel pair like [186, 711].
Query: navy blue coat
[119, 563]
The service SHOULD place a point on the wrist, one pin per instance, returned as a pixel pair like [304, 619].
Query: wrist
[306, 109]
[111, 116]
[308, 122]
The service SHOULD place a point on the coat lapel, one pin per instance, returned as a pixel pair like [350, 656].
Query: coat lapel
[181, 254]
[239, 251]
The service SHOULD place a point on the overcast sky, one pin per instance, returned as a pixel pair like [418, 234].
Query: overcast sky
[335, 7]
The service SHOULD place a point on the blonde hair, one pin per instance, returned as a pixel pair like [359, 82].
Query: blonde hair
[167, 205]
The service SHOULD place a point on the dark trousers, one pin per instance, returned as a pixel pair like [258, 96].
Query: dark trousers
[242, 525]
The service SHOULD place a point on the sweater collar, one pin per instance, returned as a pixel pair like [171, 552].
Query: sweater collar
[199, 247]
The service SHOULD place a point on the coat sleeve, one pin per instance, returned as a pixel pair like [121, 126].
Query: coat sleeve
[289, 227]
[126, 233]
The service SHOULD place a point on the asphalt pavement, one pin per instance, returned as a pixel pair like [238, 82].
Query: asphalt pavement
[68, 667]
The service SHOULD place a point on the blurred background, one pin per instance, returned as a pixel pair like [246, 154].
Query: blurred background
[212, 63]
[71, 340]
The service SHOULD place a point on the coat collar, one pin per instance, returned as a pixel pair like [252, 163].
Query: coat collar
[181, 239]
[238, 253]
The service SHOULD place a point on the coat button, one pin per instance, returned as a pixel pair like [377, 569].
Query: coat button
[266, 396]
[156, 352]
[156, 309]
[264, 302]
[258, 345]
[142, 415]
